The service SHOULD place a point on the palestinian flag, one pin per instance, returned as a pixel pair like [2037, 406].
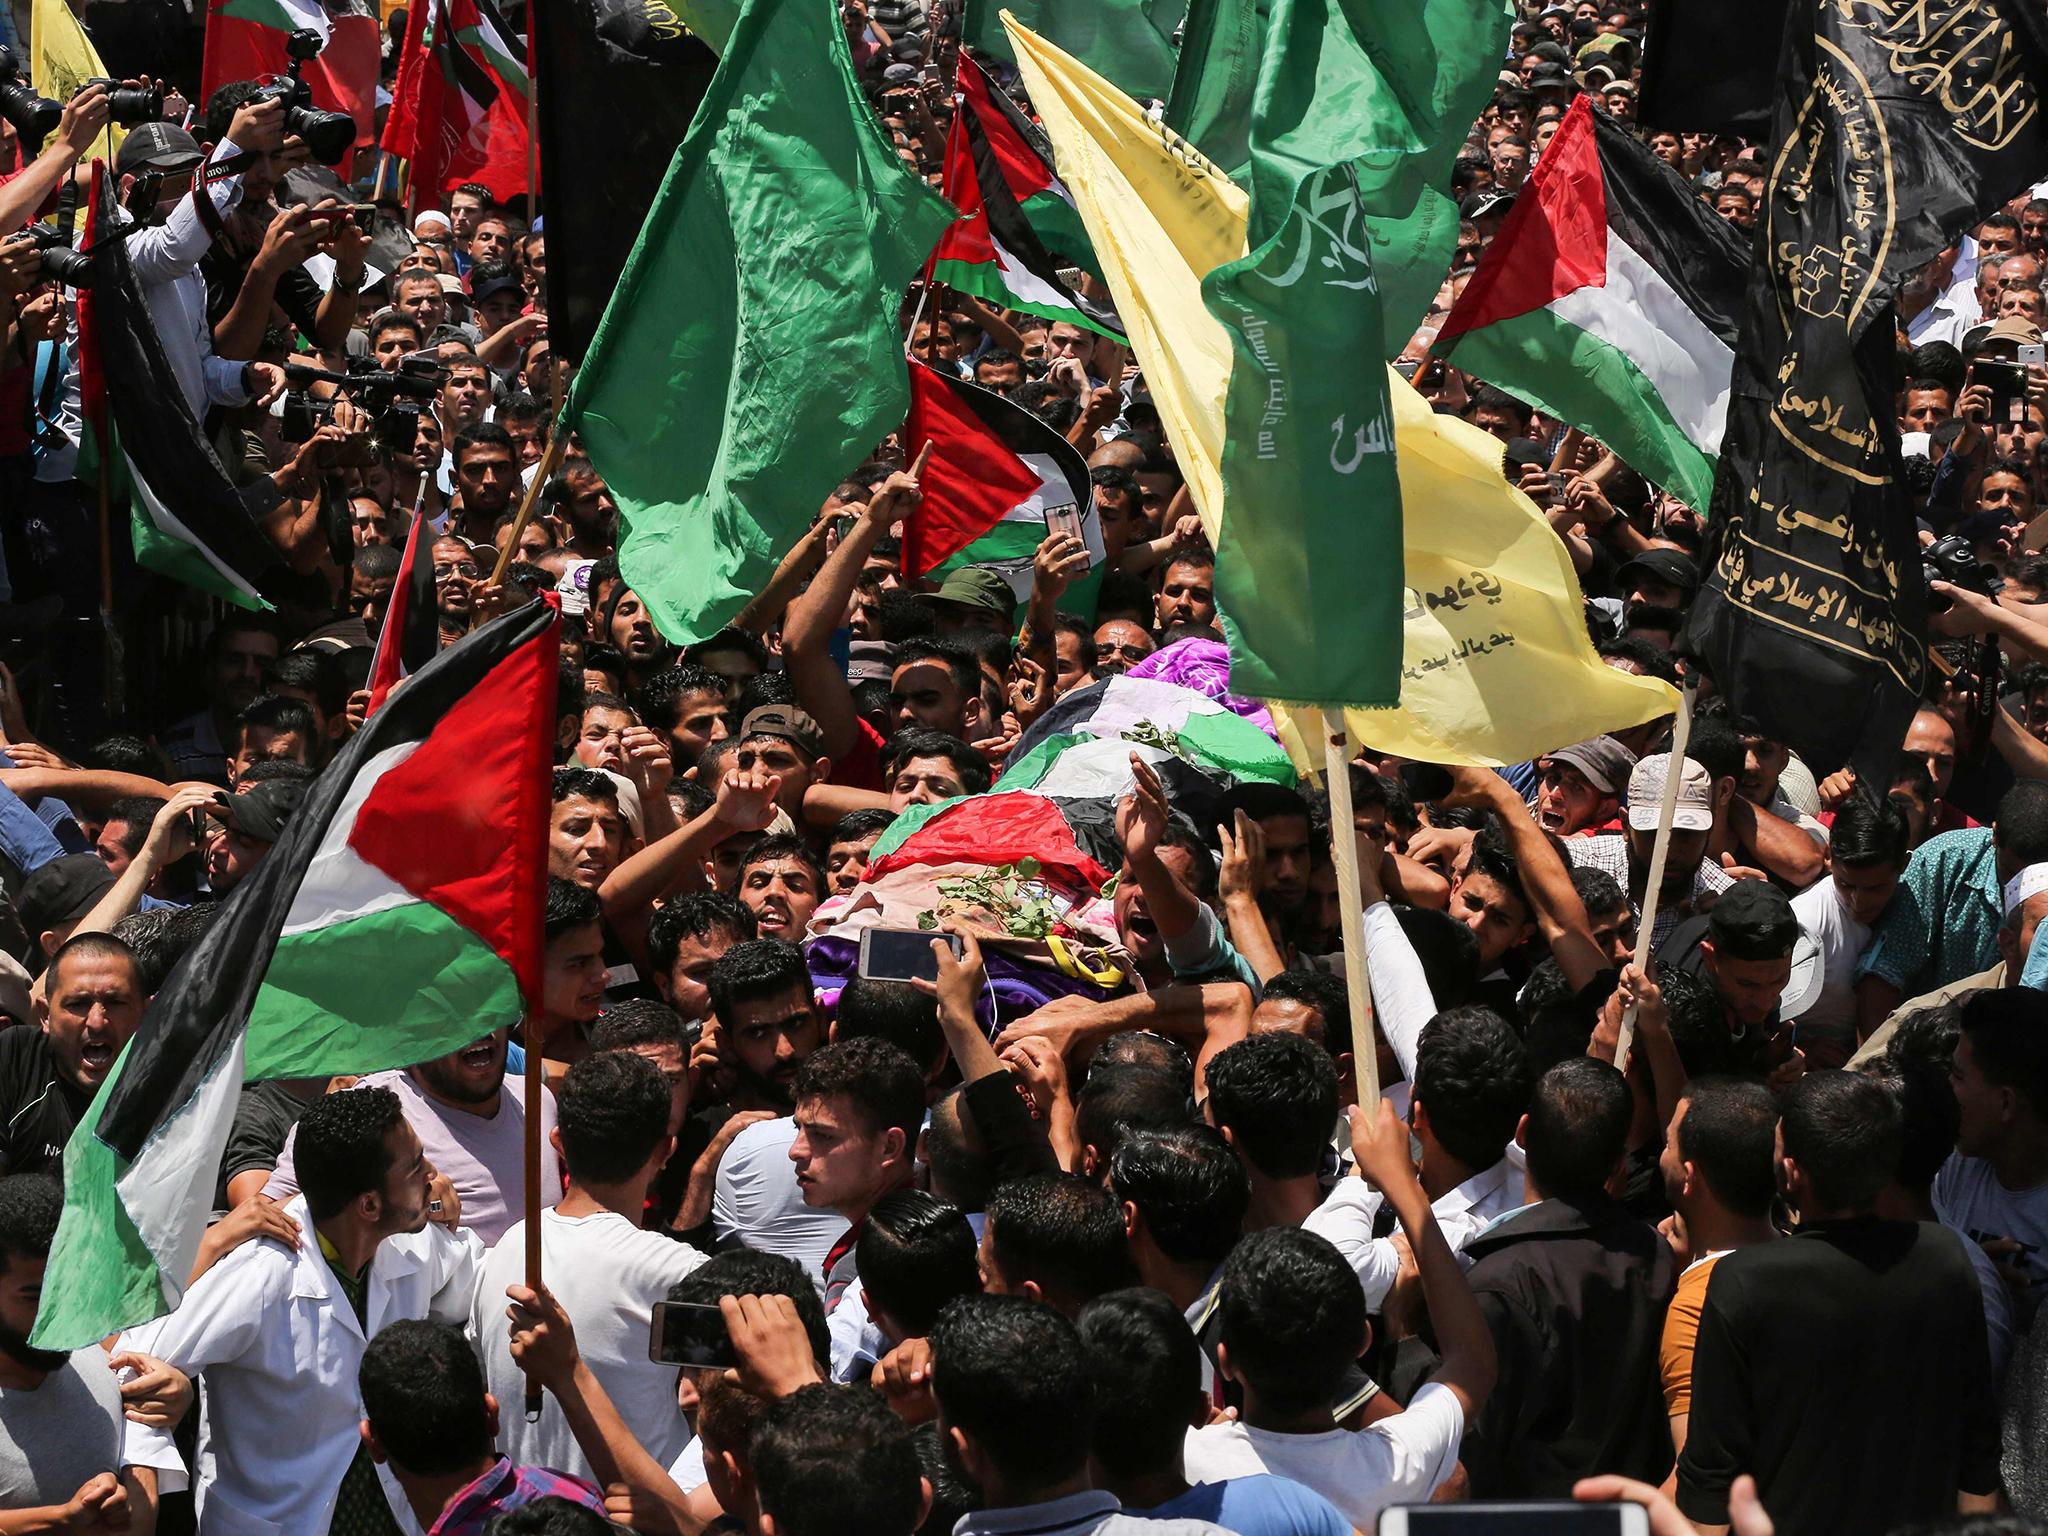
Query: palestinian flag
[1018, 226]
[186, 519]
[996, 473]
[418, 860]
[458, 108]
[245, 39]
[1611, 299]
[411, 635]
[1068, 772]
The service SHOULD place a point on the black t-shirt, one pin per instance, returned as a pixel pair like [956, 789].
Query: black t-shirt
[264, 1115]
[39, 1107]
[297, 294]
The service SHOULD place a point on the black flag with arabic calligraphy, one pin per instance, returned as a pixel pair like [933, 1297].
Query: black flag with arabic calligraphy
[1895, 126]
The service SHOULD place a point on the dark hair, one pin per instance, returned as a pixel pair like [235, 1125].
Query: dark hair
[660, 698]
[1010, 1372]
[1062, 1231]
[1578, 1127]
[612, 1113]
[485, 434]
[1326, 994]
[969, 764]
[30, 1206]
[317, 672]
[341, 1152]
[697, 915]
[1929, 1117]
[955, 658]
[550, 1515]
[423, 1393]
[858, 826]
[1730, 1131]
[1147, 1371]
[1292, 1314]
[1473, 1076]
[275, 712]
[1277, 1096]
[637, 1021]
[784, 845]
[1180, 834]
[1489, 397]
[269, 770]
[569, 907]
[878, 1079]
[915, 1253]
[1845, 1133]
[161, 937]
[834, 1461]
[1869, 829]
[894, 1011]
[751, 971]
[2020, 829]
[1927, 1037]
[584, 783]
[1598, 891]
[1654, 660]
[127, 754]
[137, 813]
[2008, 1033]
[1188, 1186]
[1493, 861]
[1121, 1100]
[749, 1272]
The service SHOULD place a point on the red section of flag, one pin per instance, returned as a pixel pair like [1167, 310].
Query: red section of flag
[462, 823]
[972, 479]
[966, 239]
[1553, 241]
[92, 376]
[448, 132]
[998, 829]
[388, 665]
[343, 78]
[1026, 174]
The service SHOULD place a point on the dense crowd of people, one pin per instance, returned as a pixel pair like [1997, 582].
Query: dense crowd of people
[1132, 1256]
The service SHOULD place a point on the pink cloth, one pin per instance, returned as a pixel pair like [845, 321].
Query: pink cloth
[1204, 666]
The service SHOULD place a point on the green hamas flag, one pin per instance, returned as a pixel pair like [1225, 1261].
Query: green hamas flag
[750, 353]
[1211, 104]
[1308, 568]
[1128, 42]
[1393, 89]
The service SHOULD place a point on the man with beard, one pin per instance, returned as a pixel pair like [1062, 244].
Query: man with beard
[471, 1118]
[93, 1001]
[766, 1024]
[280, 1328]
[250, 825]
[455, 567]
[1162, 900]
[781, 883]
[486, 476]
[1688, 874]
[1579, 787]
[60, 1410]
[238, 650]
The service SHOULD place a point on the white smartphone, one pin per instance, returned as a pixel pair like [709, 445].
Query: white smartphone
[1534, 1519]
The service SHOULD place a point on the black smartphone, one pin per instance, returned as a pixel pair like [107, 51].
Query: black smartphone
[1533, 1519]
[690, 1333]
[903, 954]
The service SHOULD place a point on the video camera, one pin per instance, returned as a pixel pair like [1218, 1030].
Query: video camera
[394, 400]
[35, 117]
[329, 135]
[1951, 559]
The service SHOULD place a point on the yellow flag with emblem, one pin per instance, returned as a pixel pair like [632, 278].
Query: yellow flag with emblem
[62, 58]
[1497, 666]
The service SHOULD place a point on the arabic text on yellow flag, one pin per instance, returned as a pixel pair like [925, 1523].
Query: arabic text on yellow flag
[62, 57]
[1499, 676]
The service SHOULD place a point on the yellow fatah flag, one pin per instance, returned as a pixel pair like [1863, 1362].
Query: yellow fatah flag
[62, 58]
[1497, 666]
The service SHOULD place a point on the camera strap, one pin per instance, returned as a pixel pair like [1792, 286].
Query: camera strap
[49, 383]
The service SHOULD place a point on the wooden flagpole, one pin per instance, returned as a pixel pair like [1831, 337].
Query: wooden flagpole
[1660, 851]
[1365, 1061]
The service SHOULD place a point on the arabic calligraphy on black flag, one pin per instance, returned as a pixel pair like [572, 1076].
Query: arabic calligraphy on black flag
[1895, 125]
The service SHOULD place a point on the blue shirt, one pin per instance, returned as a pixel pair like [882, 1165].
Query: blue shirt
[1258, 1505]
[1943, 923]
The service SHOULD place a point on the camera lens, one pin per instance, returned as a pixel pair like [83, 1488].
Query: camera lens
[61, 264]
[127, 108]
[330, 135]
[34, 117]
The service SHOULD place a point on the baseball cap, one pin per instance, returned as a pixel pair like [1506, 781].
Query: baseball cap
[62, 891]
[1604, 761]
[157, 147]
[900, 74]
[868, 659]
[1695, 812]
[787, 722]
[1753, 920]
[262, 810]
[1548, 77]
[452, 286]
[1666, 567]
[1479, 204]
[974, 586]
[505, 283]
[2011, 328]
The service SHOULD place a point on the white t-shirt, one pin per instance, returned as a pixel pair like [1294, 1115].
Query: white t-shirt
[1401, 1459]
[758, 1202]
[607, 1273]
[1842, 941]
[1969, 1198]
[484, 1156]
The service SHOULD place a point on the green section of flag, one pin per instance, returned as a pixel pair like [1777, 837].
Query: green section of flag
[1213, 84]
[750, 354]
[1392, 88]
[106, 1269]
[1129, 42]
[1008, 549]
[438, 987]
[168, 550]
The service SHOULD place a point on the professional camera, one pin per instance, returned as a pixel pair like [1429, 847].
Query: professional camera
[130, 106]
[1953, 560]
[34, 117]
[58, 261]
[330, 135]
[392, 399]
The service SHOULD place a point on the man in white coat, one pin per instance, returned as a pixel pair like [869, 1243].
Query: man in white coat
[280, 1331]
